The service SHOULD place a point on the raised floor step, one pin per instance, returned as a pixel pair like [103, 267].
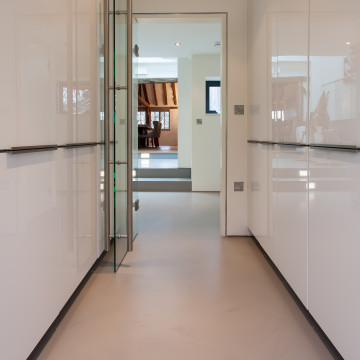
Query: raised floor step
[163, 184]
[164, 173]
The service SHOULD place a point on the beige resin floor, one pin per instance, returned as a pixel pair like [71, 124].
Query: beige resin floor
[185, 293]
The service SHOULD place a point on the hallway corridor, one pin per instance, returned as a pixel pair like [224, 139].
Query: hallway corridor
[185, 294]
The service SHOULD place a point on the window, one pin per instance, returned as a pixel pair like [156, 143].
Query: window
[141, 117]
[213, 97]
[163, 117]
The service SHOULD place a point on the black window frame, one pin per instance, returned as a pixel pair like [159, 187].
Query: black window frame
[208, 85]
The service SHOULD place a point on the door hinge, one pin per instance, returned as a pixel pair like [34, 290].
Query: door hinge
[118, 12]
[118, 237]
[118, 162]
[117, 87]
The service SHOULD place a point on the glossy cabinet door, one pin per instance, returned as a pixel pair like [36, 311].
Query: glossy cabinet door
[289, 77]
[334, 247]
[262, 197]
[278, 69]
[334, 72]
[49, 239]
[258, 70]
[292, 213]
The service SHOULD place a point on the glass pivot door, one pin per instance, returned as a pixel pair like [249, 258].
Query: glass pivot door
[120, 144]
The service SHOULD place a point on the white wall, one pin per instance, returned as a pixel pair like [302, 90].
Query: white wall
[206, 137]
[185, 113]
[233, 203]
[304, 203]
[49, 199]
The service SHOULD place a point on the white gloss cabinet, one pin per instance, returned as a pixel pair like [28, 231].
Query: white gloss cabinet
[334, 72]
[289, 76]
[292, 217]
[262, 196]
[41, 247]
[334, 247]
[50, 201]
[316, 193]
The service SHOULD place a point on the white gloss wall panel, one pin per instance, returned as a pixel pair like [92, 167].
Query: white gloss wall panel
[292, 207]
[49, 226]
[48, 89]
[289, 70]
[334, 247]
[317, 226]
[43, 58]
[334, 69]
[30, 250]
[85, 85]
[258, 117]
[8, 109]
[86, 208]
[262, 197]
[52, 243]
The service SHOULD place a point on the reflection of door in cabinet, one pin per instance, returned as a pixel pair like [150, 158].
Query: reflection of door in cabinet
[289, 123]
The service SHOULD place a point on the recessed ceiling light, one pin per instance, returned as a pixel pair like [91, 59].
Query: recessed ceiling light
[348, 43]
[177, 44]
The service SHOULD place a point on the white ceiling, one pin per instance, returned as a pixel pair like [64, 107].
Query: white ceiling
[156, 37]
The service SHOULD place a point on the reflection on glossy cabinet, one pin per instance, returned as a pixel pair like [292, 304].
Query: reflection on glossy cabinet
[334, 72]
[289, 77]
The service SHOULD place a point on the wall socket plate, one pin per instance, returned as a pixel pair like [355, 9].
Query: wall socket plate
[239, 109]
[238, 186]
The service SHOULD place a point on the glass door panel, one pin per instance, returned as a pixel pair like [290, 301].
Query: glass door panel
[120, 168]
[135, 149]
[122, 137]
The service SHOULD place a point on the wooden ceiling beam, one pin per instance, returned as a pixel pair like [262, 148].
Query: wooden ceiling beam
[174, 93]
[146, 96]
[165, 94]
[144, 102]
[155, 94]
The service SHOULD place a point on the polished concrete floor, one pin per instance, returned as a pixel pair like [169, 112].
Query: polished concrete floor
[185, 293]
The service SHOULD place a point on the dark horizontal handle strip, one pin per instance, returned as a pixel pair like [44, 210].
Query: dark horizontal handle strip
[78, 145]
[37, 148]
[294, 144]
[267, 143]
[29, 149]
[276, 143]
[349, 148]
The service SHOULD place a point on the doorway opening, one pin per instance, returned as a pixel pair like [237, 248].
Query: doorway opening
[181, 57]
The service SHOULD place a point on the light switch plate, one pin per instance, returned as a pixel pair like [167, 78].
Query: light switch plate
[238, 186]
[239, 109]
